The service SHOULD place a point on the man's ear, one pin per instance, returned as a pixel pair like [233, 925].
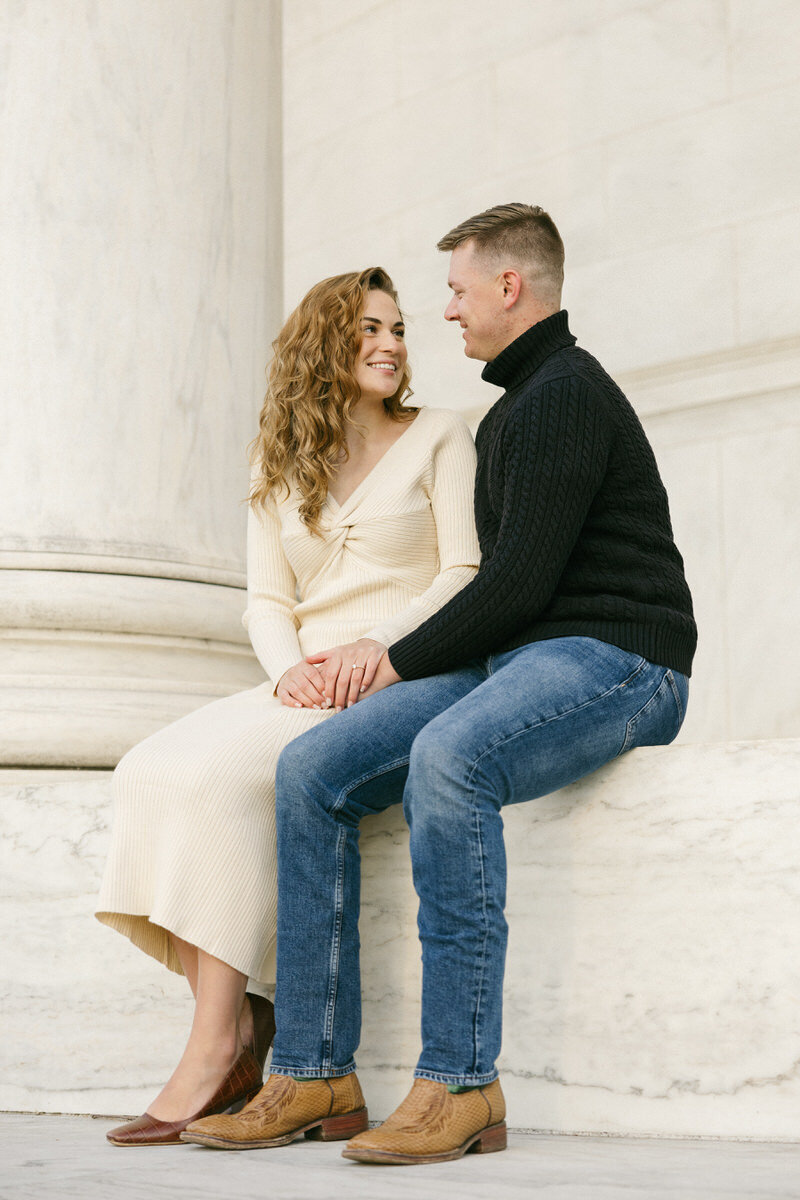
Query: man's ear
[512, 285]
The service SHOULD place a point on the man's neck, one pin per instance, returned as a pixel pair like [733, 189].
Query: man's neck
[528, 350]
[524, 320]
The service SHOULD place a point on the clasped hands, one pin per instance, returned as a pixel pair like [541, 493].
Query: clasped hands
[338, 677]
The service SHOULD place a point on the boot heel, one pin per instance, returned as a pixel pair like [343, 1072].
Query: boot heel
[336, 1129]
[493, 1138]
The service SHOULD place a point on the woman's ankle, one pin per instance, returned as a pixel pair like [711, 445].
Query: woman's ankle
[218, 1050]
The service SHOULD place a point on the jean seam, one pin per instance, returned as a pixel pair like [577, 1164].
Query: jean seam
[556, 717]
[336, 943]
[481, 963]
[334, 961]
[631, 724]
[677, 695]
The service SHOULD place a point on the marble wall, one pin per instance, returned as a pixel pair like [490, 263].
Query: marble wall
[652, 983]
[662, 139]
[140, 233]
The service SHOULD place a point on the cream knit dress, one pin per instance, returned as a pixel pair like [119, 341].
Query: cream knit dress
[193, 846]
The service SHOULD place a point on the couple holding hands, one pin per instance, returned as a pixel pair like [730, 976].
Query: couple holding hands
[412, 660]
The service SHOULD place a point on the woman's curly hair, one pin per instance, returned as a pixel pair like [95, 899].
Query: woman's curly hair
[311, 390]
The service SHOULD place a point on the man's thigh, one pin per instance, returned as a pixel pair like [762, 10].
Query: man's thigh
[548, 714]
[360, 756]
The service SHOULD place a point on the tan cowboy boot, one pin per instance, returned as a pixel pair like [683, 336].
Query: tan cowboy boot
[434, 1125]
[324, 1109]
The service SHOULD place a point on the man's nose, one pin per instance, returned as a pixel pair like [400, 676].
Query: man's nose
[450, 313]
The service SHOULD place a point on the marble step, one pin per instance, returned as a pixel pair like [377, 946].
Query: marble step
[653, 982]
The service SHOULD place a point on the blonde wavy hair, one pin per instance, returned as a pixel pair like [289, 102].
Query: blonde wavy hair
[311, 391]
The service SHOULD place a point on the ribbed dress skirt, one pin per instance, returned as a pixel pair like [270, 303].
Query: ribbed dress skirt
[193, 850]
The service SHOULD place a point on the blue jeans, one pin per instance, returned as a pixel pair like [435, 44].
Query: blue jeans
[455, 749]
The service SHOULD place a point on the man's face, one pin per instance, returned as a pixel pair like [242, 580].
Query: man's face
[477, 303]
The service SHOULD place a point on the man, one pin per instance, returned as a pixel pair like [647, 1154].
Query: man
[571, 645]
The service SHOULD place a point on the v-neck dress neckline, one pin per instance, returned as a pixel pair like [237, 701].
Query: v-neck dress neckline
[336, 508]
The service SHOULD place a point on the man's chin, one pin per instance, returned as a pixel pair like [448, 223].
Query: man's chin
[473, 351]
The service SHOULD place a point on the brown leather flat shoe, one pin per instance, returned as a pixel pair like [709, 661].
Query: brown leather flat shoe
[263, 1026]
[434, 1125]
[323, 1109]
[240, 1084]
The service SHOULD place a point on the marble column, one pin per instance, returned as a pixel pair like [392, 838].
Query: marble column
[140, 237]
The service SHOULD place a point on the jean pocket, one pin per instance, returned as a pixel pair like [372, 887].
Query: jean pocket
[658, 722]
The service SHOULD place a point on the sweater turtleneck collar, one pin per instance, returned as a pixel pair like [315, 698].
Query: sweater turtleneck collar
[527, 352]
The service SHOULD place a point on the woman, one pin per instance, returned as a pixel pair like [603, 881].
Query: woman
[360, 527]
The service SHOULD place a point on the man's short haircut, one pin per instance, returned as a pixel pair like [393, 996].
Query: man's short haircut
[523, 236]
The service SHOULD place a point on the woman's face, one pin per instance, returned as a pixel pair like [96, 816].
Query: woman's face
[382, 354]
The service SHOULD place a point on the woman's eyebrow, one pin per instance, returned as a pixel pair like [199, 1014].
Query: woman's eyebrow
[378, 321]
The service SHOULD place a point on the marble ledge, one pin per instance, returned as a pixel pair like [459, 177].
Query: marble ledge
[652, 984]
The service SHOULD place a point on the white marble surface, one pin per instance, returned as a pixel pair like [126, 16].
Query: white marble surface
[67, 1157]
[761, 539]
[652, 982]
[91, 663]
[79, 1005]
[729, 470]
[140, 201]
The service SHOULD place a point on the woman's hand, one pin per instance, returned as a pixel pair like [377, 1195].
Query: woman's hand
[385, 676]
[301, 687]
[348, 670]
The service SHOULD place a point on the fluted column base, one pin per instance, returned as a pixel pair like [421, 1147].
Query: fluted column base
[92, 663]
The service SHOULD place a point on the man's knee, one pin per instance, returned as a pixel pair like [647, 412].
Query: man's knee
[316, 774]
[434, 753]
[453, 770]
[297, 774]
[438, 787]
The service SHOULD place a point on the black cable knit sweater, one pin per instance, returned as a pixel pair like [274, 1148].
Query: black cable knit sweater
[572, 519]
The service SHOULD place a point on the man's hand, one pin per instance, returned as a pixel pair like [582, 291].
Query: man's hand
[348, 671]
[384, 677]
[301, 687]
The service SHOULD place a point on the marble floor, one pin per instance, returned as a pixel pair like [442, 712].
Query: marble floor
[67, 1157]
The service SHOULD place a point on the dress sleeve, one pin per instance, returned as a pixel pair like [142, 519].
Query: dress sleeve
[451, 498]
[271, 595]
[555, 448]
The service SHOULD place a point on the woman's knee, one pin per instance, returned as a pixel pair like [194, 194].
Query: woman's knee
[133, 771]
